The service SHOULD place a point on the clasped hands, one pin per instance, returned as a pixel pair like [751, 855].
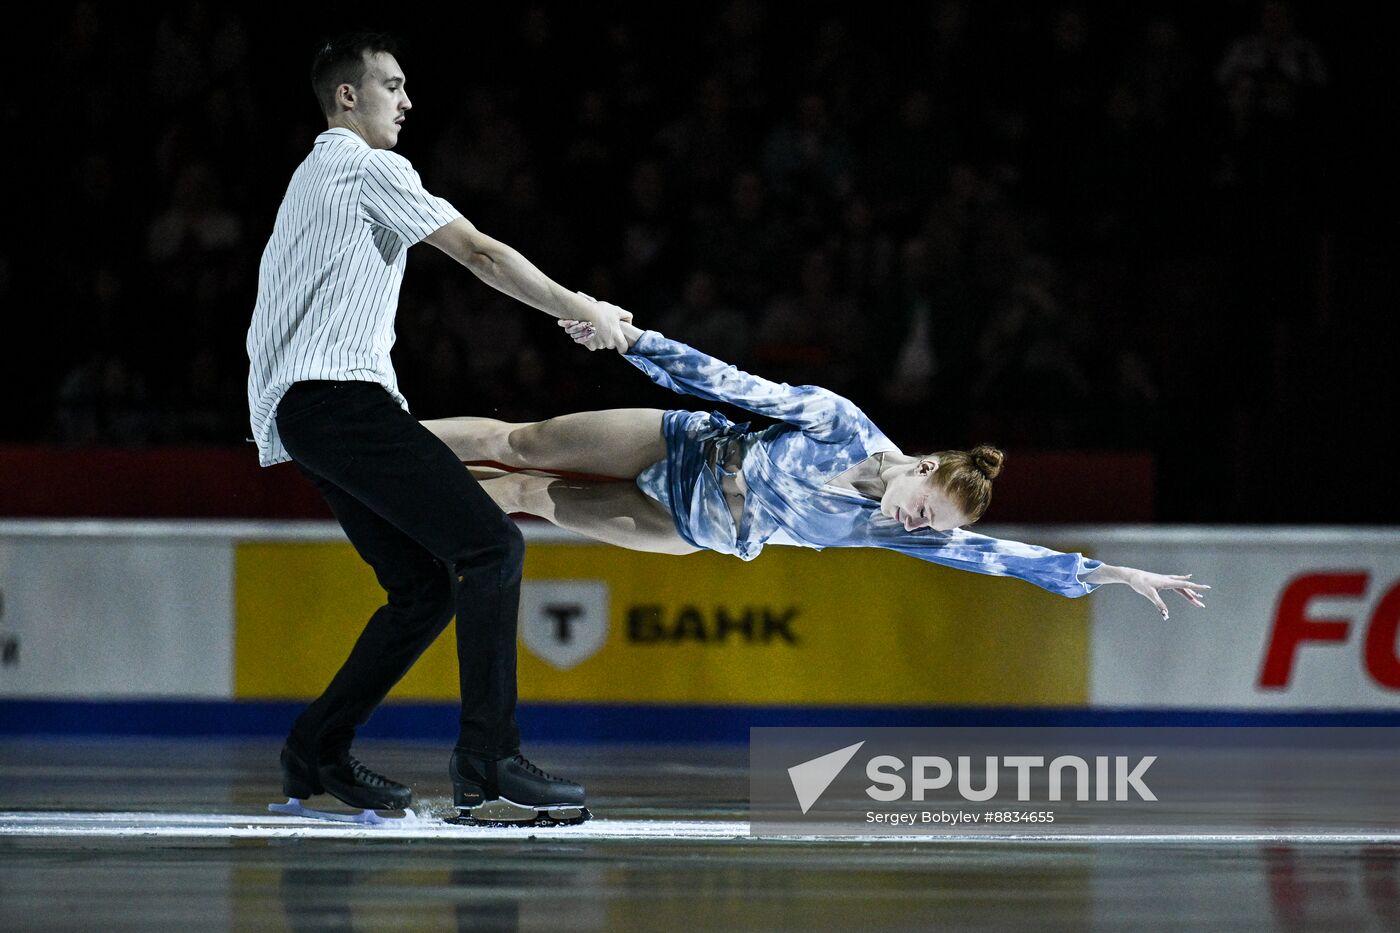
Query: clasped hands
[602, 329]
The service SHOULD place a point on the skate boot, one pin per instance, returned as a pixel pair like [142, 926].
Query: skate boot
[344, 778]
[511, 792]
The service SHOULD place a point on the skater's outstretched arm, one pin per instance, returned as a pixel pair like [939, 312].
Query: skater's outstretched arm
[507, 271]
[1069, 574]
[688, 371]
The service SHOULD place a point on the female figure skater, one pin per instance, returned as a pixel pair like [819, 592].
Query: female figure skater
[824, 476]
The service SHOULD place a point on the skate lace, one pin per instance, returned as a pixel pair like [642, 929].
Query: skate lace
[530, 766]
[364, 775]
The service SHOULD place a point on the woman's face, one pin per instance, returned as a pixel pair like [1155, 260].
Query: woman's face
[915, 501]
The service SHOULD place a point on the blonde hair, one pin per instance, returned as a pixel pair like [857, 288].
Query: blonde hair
[966, 476]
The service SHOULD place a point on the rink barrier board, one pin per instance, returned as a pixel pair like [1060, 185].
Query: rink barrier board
[1293, 621]
[88, 609]
[796, 627]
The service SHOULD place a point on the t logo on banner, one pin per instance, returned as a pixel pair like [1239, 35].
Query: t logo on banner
[564, 622]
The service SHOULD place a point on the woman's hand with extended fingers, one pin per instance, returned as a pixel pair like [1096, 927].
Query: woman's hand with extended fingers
[1151, 585]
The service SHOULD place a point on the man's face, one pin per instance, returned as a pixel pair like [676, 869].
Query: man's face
[380, 102]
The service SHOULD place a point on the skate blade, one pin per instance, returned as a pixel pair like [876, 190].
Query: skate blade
[295, 807]
[505, 813]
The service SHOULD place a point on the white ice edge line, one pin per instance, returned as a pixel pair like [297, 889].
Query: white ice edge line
[228, 826]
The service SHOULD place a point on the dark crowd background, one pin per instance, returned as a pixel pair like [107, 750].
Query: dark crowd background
[1150, 227]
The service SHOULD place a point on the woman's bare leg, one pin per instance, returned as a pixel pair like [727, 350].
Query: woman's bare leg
[620, 442]
[614, 512]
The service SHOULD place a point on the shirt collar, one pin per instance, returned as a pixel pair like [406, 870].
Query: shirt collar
[341, 131]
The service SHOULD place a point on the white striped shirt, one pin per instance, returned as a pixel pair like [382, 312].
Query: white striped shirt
[328, 283]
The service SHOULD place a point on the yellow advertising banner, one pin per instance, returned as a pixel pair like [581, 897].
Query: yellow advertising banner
[843, 627]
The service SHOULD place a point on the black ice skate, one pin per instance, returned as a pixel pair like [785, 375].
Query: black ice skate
[346, 779]
[512, 792]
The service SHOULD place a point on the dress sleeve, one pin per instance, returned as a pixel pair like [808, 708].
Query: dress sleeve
[1055, 571]
[394, 197]
[684, 369]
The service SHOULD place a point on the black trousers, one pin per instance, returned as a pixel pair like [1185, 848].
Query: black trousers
[438, 545]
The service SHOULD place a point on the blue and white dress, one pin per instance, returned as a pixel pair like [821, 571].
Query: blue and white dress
[788, 467]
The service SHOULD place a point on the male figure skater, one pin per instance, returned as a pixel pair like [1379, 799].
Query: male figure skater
[322, 393]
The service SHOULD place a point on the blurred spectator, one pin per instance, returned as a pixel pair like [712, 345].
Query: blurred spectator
[1030, 358]
[1272, 194]
[103, 401]
[590, 171]
[196, 220]
[1282, 62]
[630, 77]
[861, 252]
[648, 260]
[700, 320]
[1162, 72]
[704, 142]
[205, 408]
[921, 336]
[813, 336]
[1272, 82]
[179, 69]
[750, 244]
[544, 69]
[736, 45]
[194, 248]
[523, 217]
[479, 154]
[905, 160]
[807, 153]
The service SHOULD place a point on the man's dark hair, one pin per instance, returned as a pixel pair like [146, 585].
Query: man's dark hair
[341, 60]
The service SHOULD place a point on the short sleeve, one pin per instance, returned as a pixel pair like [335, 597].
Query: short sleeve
[394, 197]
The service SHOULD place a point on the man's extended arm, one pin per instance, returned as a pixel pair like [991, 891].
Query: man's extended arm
[507, 271]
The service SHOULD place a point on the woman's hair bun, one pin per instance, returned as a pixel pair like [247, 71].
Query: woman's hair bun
[987, 459]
